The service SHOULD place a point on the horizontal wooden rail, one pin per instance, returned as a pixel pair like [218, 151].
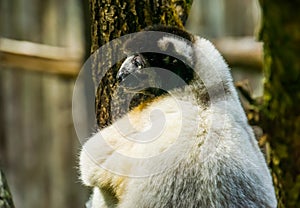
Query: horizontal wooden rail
[241, 51]
[40, 57]
[66, 61]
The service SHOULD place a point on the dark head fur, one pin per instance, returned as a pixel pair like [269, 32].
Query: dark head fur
[161, 58]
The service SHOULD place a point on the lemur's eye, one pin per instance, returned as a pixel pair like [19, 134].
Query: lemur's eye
[137, 61]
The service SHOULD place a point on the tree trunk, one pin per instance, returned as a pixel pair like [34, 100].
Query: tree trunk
[281, 112]
[113, 19]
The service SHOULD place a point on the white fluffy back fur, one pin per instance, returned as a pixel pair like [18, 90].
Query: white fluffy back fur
[218, 165]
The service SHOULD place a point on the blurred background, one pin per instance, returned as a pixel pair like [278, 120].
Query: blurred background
[43, 45]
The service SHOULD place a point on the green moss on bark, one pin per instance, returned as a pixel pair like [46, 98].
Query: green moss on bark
[281, 112]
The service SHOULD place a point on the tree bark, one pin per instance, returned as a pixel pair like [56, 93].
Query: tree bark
[281, 112]
[5, 195]
[112, 19]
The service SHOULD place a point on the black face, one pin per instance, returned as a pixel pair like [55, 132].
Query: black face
[151, 74]
[176, 71]
[156, 70]
[132, 65]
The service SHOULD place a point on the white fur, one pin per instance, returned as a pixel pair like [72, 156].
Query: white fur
[215, 162]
